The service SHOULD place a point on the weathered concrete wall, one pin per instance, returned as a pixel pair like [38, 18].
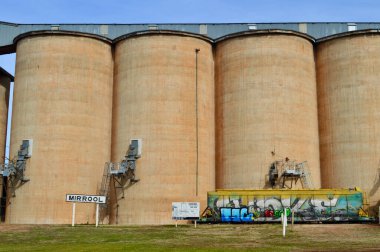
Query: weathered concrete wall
[349, 117]
[4, 99]
[265, 102]
[63, 101]
[266, 110]
[155, 100]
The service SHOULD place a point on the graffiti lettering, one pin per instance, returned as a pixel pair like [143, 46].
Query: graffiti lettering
[235, 215]
[269, 208]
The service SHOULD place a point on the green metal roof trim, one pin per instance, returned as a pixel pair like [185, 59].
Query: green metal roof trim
[207, 31]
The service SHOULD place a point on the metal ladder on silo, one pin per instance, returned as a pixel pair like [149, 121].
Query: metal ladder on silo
[119, 173]
[105, 189]
[305, 175]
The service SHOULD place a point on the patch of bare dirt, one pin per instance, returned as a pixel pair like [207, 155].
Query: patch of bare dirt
[15, 228]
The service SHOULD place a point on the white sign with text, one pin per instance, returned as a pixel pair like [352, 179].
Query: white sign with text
[81, 198]
[185, 210]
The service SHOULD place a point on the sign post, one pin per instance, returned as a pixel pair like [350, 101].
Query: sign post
[185, 211]
[292, 218]
[97, 215]
[284, 219]
[73, 217]
[81, 198]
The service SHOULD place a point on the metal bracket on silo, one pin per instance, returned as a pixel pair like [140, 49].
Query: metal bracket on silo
[120, 173]
[14, 170]
[127, 166]
[282, 171]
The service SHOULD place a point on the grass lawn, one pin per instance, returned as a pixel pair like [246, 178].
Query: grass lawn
[259, 237]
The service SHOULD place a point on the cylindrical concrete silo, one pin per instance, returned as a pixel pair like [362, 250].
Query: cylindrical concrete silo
[266, 106]
[5, 80]
[164, 94]
[349, 116]
[63, 101]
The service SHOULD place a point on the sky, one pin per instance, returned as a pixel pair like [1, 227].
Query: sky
[182, 11]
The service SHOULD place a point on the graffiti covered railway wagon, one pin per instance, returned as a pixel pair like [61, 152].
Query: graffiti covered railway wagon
[322, 205]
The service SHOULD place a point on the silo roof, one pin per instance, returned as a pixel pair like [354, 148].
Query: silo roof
[266, 32]
[5, 73]
[62, 33]
[349, 34]
[162, 32]
[208, 31]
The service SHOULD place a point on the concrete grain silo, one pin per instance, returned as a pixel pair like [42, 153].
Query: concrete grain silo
[348, 67]
[164, 95]
[5, 81]
[266, 106]
[63, 101]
